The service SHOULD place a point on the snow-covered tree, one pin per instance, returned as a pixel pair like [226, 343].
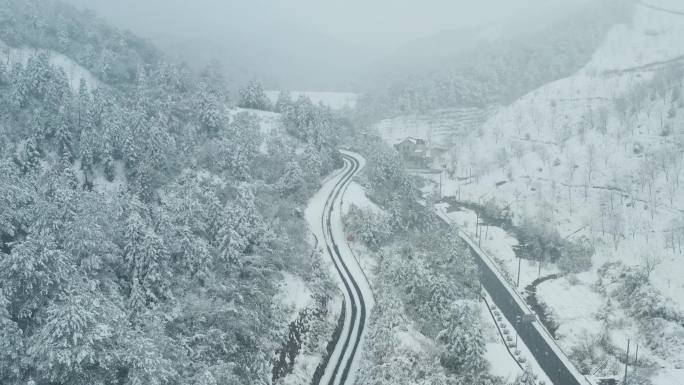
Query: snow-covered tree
[284, 102]
[312, 164]
[28, 156]
[242, 227]
[80, 339]
[211, 109]
[292, 181]
[576, 256]
[147, 262]
[371, 228]
[240, 145]
[463, 341]
[253, 96]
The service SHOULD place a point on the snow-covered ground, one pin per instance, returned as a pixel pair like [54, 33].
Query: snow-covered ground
[355, 195]
[269, 122]
[295, 295]
[334, 100]
[74, 72]
[538, 154]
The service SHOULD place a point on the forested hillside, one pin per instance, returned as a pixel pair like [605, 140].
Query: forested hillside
[595, 159]
[114, 56]
[144, 224]
[485, 70]
[426, 324]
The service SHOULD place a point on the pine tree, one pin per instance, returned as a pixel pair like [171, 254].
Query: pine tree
[311, 163]
[240, 145]
[19, 88]
[28, 157]
[79, 339]
[463, 340]
[253, 96]
[211, 109]
[284, 102]
[34, 272]
[63, 134]
[242, 227]
[292, 181]
[146, 258]
[16, 198]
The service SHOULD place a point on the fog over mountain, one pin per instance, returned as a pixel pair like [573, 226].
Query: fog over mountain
[301, 44]
[341, 192]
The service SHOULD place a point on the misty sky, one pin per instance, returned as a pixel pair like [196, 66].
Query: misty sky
[380, 24]
[313, 44]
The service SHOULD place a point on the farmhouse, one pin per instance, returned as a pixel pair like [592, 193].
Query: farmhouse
[414, 151]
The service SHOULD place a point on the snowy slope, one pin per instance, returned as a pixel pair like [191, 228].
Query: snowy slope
[539, 153]
[74, 72]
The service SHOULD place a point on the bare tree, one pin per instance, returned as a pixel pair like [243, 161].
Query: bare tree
[591, 160]
[616, 226]
[649, 262]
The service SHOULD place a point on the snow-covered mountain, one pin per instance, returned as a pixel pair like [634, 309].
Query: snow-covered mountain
[599, 154]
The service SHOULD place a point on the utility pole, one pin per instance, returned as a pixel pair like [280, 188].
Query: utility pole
[626, 363]
[479, 239]
[440, 183]
[540, 263]
[517, 284]
[636, 359]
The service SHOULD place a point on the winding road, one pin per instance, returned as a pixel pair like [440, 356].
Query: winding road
[325, 217]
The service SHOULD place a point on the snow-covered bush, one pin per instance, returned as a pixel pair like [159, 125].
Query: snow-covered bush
[575, 256]
[395, 190]
[253, 96]
[588, 353]
[369, 227]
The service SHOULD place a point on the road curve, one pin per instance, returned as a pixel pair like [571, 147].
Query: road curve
[341, 368]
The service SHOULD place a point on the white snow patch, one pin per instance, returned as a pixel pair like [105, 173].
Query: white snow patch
[294, 294]
[411, 339]
[574, 307]
[270, 124]
[669, 377]
[101, 184]
[356, 195]
[502, 364]
[74, 71]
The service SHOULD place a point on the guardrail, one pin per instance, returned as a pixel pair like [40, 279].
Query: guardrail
[555, 363]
